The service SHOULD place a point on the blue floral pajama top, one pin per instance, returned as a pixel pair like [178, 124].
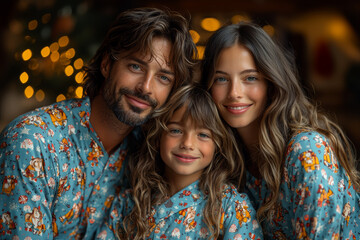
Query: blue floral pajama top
[317, 199]
[180, 217]
[57, 180]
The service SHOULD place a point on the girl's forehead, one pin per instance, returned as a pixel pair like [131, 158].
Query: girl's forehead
[184, 116]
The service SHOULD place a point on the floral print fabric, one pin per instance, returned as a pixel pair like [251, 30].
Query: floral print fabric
[57, 180]
[317, 199]
[180, 217]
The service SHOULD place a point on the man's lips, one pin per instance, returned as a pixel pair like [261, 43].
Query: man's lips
[137, 102]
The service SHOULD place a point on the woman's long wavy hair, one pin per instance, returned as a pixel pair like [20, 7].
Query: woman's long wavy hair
[133, 31]
[146, 168]
[288, 109]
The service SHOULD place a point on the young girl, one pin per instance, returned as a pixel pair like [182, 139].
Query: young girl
[181, 178]
[301, 175]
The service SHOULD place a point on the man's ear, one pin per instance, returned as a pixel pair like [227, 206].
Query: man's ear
[105, 66]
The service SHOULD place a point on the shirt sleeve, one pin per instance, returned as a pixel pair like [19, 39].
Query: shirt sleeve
[320, 189]
[238, 219]
[28, 183]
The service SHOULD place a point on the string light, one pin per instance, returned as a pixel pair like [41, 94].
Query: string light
[32, 25]
[78, 63]
[54, 57]
[29, 91]
[26, 55]
[79, 77]
[60, 97]
[40, 95]
[79, 92]
[24, 77]
[210, 24]
[54, 47]
[200, 50]
[70, 53]
[63, 41]
[45, 51]
[69, 70]
[195, 36]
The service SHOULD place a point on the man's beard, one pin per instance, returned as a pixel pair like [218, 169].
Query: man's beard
[131, 116]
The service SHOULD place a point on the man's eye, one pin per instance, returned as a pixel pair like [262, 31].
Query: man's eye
[135, 66]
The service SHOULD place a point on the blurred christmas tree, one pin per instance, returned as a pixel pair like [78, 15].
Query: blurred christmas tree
[47, 43]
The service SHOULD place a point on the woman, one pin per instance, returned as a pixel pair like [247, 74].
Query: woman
[301, 174]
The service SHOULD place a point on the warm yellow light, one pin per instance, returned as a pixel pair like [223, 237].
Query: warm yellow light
[26, 55]
[239, 18]
[32, 25]
[79, 92]
[79, 77]
[46, 18]
[60, 97]
[63, 41]
[69, 70]
[45, 51]
[24, 77]
[29, 92]
[201, 50]
[70, 53]
[78, 63]
[269, 29]
[54, 57]
[40, 95]
[210, 24]
[195, 36]
[54, 47]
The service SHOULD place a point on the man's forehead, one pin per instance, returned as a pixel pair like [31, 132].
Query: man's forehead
[161, 58]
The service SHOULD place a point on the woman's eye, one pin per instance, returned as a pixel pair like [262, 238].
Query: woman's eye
[251, 78]
[220, 79]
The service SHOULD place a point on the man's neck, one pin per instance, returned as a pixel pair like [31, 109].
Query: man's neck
[109, 129]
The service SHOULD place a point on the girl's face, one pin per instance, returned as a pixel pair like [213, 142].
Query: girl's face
[186, 149]
[238, 89]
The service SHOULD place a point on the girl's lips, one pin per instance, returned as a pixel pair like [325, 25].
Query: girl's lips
[186, 158]
[137, 102]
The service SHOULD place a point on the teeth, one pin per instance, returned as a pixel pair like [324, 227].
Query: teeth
[237, 108]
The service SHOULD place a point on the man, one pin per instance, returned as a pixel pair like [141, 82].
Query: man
[62, 165]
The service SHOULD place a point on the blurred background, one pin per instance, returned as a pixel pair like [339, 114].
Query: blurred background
[45, 43]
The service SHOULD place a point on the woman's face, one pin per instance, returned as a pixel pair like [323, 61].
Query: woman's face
[239, 90]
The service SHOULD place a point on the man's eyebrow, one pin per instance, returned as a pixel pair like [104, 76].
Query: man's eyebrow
[142, 62]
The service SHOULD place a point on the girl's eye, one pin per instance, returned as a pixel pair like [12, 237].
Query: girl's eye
[204, 135]
[175, 131]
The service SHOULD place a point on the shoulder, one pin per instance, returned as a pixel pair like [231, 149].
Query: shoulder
[307, 145]
[231, 195]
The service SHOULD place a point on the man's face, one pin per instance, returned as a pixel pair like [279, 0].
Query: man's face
[138, 83]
